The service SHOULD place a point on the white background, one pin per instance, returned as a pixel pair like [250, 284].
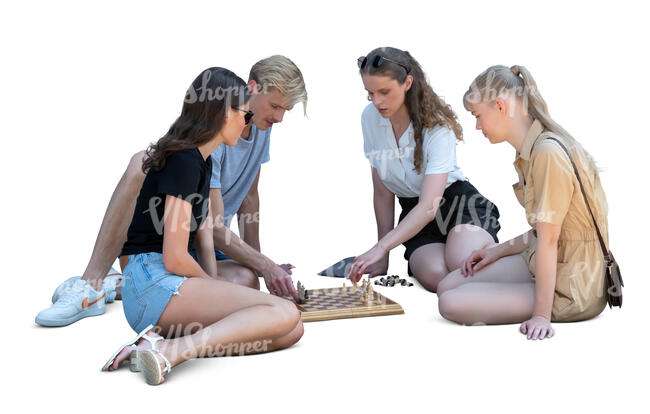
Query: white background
[86, 86]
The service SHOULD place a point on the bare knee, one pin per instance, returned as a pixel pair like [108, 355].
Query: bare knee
[430, 278]
[240, 275]
[292, 337]
[246, 277]
[450, 281]
[287, 317]
[450, 307]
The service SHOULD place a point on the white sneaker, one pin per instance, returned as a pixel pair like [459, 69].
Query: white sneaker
[111, 281]
[77, 301]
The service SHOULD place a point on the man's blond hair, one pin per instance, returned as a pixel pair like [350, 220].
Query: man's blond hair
[282, 74]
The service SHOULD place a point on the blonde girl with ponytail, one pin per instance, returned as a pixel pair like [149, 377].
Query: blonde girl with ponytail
[410, 137]
[553, 272]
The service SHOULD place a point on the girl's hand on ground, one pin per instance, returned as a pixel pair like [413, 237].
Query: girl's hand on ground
[537, 327]
[477, 260]
[361, 263]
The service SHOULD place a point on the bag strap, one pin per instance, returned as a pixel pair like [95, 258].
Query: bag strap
[584, 195]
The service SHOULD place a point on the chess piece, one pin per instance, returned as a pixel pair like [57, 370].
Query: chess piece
[302, 293]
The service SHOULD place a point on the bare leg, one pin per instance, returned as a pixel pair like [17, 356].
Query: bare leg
[233, 272]
[488, 303]
[432, 262]
[428, 265]
[112, 233]
[213, 316]
[509, 269]
[462, 240]
[503, 292]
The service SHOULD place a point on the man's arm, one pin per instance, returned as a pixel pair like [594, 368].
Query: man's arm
[118, 216]
[277, 280]
[204, 243]
[248, 216]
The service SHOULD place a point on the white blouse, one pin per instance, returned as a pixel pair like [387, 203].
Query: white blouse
[395, 164]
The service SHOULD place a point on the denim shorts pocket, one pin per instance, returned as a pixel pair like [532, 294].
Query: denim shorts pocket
[141, 278]
[154, 273]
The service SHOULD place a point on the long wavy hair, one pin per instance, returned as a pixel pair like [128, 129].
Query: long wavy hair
[202, 117]
[425, 108]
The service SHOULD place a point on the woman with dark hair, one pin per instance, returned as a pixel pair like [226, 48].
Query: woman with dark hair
[410, 139]
[166, 289]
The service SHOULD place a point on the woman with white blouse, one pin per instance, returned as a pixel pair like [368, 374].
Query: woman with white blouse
[410, 139]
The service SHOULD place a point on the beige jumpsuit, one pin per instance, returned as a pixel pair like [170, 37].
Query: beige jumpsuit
[549, 191]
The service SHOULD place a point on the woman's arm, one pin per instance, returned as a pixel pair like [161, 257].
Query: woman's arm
[177, 220]
[433, 186]
[384, 205]
[545, 268]
[478, 259]
[205, 245]
[539, 324]
[514, 246]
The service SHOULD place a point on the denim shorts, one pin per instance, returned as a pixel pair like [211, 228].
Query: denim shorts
[147, 289]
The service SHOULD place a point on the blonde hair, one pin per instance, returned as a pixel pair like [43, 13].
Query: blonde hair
[282, 74]
[516, 82]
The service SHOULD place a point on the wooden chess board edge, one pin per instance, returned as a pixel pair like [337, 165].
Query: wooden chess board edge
[379, 310]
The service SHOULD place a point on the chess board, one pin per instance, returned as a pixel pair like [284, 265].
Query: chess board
[340, 302]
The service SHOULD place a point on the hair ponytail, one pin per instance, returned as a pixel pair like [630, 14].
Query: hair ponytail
[517, 82]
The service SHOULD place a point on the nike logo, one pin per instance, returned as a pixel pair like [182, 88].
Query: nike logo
[85, 303]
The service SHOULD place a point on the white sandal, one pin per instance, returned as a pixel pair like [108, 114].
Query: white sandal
[142, 333]
[145, 360]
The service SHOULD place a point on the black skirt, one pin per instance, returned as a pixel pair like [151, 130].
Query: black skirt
[461, 204]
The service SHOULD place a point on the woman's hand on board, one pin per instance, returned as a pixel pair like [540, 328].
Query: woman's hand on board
[371, 262]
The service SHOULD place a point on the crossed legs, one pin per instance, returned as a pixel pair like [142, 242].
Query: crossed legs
[432, 262]
[212, 315]
[500, 293]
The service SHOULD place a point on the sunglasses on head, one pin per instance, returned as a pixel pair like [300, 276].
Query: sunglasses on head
[377, 62]
[248, 116]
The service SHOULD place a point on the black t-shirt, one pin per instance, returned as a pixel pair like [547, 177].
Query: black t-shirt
[185, 175]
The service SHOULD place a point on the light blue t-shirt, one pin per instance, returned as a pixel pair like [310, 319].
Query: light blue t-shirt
[234, 169]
